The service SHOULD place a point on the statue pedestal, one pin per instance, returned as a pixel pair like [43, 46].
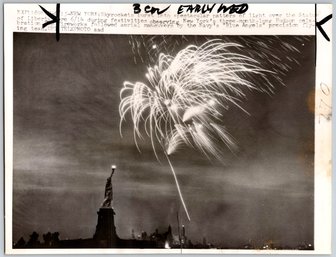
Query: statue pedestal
[105, 234]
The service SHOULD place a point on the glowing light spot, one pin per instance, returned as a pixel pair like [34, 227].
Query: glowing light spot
[166, 102]
[212, 102]
[154, 46]
[174, 107]
[167, 245]
[192, 112]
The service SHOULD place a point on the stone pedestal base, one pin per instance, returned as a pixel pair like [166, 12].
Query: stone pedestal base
[105, 234]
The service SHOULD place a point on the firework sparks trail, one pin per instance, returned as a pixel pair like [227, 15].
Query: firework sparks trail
[178, 186]
[280, 56]
[186, 96]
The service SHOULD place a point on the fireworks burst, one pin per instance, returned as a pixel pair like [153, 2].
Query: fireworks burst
[185, 97]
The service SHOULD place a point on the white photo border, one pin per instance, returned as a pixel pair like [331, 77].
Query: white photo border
[323, 128]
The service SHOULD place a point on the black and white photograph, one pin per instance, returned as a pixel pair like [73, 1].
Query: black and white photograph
[151, 141]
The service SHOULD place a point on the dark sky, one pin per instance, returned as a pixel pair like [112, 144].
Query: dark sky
[66, 136]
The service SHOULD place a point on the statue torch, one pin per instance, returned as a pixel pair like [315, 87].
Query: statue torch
[113, 167]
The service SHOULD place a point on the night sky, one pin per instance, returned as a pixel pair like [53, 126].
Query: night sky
[66, 136]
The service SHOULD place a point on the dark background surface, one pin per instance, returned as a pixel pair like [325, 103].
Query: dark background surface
[66, 122]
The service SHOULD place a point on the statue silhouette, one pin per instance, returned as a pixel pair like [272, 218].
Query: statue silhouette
[108, 197]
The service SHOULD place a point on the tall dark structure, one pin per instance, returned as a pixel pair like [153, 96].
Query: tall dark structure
[184, 238]
[105, 234]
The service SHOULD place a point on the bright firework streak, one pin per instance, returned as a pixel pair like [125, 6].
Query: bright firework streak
[186, 96]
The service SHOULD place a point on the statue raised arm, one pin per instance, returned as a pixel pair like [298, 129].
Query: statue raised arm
[108, 196]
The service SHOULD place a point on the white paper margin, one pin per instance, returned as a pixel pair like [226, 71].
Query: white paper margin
[323, 139]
